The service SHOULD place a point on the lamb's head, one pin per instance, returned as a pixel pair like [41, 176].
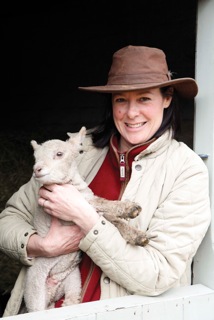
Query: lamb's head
[55, 160]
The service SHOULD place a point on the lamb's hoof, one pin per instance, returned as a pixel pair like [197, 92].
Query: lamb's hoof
[142, 240]
[134, 212]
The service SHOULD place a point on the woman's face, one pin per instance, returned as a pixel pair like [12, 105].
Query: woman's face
[138, 115]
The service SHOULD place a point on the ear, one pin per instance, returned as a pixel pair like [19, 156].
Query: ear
[168, 97]
[79, 137]
[82, 132]
[34, 144]
[167, 101]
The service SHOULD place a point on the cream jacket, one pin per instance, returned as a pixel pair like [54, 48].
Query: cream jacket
[170, 182]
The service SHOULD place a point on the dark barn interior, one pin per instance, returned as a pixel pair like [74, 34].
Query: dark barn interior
[49, 49]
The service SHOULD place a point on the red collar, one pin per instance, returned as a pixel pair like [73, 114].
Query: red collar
[125, 158]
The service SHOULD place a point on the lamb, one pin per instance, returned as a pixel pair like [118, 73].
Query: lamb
[48, 279]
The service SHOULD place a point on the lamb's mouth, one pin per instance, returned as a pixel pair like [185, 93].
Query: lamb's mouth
[39, 175]
[43, 178]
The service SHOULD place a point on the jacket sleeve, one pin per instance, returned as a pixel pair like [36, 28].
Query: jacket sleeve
[177, 226]
[16, 222]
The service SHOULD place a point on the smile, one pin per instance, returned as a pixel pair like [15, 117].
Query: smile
[136, 125]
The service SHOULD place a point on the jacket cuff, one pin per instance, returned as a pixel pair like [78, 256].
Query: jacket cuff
[23, 247]
[93, 234]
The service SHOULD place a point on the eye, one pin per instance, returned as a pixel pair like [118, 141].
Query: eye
[118, 99]
[59, 154]
[143, 99]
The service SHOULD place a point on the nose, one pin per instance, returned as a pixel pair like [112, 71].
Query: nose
[38, 167]
[133, 110]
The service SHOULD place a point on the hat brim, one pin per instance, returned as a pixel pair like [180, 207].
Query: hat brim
[185, 87]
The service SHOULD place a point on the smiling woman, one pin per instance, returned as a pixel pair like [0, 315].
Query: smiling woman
[133, 154]
[138, 115]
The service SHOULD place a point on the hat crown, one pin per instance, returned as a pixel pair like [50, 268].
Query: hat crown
[138, 64]
[141, 68]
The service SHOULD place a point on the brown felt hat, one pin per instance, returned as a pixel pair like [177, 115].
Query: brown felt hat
[138, 67]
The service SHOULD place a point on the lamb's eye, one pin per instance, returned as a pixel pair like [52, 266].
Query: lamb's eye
[59, 154]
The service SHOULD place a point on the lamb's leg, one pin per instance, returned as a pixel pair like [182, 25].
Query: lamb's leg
[129, 233]
[72, 288]
[124, 209]
[60, 273]
[35, 294]
[114, 211]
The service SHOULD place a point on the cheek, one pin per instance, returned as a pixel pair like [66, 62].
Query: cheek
[118, 113]
[156, 113]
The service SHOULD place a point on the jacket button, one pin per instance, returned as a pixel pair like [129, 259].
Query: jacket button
[95, 232]
[106, 280]
[138, 167]
[26, 234]
[22, 245]
[103, 222]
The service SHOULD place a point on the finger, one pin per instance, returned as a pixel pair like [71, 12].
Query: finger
[42, 202]
[49, 187]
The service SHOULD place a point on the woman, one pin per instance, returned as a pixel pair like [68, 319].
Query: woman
[132, 154]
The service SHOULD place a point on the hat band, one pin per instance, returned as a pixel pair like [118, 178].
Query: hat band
[138, 79]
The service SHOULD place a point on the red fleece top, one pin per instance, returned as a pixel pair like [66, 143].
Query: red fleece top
[107, 184]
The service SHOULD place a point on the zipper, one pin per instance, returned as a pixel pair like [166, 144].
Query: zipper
[124, 172]
[122, 167]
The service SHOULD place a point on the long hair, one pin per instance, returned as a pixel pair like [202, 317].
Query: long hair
[171, 119]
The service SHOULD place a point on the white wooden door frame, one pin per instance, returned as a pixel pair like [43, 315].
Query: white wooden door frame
[204, 128]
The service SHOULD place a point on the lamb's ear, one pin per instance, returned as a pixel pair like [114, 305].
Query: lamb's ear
[83, 131]
[79, 137]
[34, 144]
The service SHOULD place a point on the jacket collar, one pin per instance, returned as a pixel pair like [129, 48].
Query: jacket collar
[158, 146]
[150, 149]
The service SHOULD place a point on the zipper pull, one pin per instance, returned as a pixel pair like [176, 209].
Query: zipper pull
[122, 167]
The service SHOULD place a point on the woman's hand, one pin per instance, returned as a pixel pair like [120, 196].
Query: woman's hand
[67, 203]
[60, 239]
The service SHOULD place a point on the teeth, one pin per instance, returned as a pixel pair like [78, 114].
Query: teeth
[137, 125]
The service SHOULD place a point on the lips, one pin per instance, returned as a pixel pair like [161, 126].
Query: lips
[135, 125]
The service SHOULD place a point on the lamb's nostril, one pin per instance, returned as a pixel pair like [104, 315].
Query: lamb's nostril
[37, 170]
